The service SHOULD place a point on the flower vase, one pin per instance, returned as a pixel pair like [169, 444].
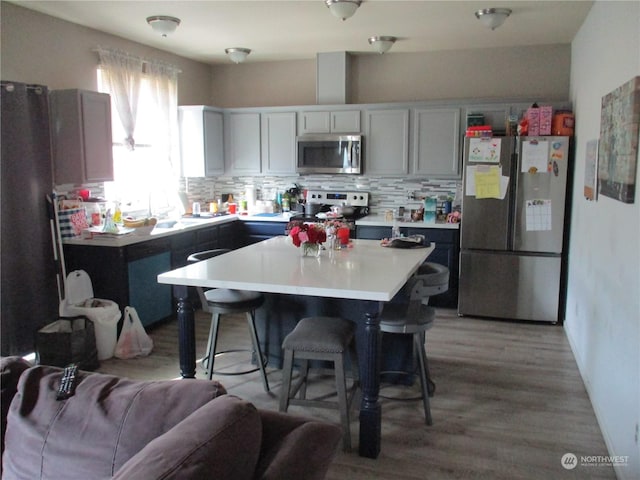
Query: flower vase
[310, 249]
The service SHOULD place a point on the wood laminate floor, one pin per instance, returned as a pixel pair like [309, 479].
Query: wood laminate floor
[509, 402]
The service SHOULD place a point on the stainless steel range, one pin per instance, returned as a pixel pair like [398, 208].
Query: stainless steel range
[325, 199]
[321, 201]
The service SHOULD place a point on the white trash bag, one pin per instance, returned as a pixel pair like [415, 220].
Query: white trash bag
[133, 341]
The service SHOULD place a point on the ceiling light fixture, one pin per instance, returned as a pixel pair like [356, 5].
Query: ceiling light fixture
[237, 54]
[163, 24]
[493, 17]
[382, 44]
[343, 8]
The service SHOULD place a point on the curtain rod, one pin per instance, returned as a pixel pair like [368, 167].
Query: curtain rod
[136, 57]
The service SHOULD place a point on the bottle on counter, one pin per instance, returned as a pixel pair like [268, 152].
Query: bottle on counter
[94, 214]
[117, 214]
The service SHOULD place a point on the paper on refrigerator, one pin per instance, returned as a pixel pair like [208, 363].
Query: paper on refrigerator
[486, 181]
[535, 156]
[485, 150]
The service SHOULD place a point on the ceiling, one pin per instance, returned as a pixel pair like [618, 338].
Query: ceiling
[293, 30]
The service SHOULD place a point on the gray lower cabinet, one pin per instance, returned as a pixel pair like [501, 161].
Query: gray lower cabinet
[447, 252]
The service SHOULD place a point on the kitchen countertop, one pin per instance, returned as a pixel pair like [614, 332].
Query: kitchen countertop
[182, 225]
[378, 220]
[190, 224]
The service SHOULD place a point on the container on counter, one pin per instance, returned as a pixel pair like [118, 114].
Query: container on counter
[94, 214]
[563, 123]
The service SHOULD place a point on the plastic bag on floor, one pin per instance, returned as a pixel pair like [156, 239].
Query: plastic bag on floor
[133, 341]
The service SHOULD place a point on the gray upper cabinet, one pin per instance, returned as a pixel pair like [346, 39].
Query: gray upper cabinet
[386, 142]
[201, 141]
[341, 121]
[436, 137]
[242, 143]
[279, 143]
[82, 143]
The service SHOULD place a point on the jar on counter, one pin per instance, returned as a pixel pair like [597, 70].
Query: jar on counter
[563, 123]
[94, 213]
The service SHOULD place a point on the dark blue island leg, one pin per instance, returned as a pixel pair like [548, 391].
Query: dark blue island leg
[370, 410]
[186, 333]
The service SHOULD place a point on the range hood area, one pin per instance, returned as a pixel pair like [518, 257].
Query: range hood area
[333, 78]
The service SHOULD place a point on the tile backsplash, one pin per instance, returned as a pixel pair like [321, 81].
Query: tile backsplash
[385, 192]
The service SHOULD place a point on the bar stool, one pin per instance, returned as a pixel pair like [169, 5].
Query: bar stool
[223, 301]
[414, 317]
[321, 338]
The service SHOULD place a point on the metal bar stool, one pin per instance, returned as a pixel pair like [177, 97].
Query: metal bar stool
[223, 301]
[414, 317]
[321, 338]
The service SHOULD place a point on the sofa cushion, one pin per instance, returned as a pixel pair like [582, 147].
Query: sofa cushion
[96, 431]
[220, 440]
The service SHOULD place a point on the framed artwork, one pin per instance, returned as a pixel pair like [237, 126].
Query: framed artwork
[618, 146]
[590, 170]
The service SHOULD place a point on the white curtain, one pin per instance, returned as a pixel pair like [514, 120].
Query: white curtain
[123, 73]
[163, 83]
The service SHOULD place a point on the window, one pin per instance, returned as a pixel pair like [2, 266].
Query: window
[145, 177]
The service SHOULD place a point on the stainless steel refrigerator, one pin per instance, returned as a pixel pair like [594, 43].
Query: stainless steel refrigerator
[513, 228]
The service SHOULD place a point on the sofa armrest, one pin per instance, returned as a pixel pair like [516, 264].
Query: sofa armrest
[105, 423]
[10, 370]
[295, 447]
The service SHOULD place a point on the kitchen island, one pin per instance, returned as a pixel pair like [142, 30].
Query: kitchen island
[367, 273]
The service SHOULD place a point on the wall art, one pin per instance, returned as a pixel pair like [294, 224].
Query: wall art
[618, 146]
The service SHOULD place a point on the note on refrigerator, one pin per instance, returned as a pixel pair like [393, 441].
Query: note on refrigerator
[487, 183]
[487, 180]
[535, 156]
[538, 215]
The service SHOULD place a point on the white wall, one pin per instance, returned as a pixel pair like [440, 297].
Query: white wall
[533, 72]
[603, 309]
[44, 50]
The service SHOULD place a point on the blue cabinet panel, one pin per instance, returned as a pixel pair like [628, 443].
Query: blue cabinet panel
[151, 299]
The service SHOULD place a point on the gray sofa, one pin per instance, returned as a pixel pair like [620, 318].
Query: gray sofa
[123, 429]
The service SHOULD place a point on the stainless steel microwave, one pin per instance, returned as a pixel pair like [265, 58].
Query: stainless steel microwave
[329, 153]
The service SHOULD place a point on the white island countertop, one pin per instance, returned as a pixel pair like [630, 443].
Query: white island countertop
[365, 271]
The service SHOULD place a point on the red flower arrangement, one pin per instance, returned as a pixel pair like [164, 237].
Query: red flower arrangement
[306, 233]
